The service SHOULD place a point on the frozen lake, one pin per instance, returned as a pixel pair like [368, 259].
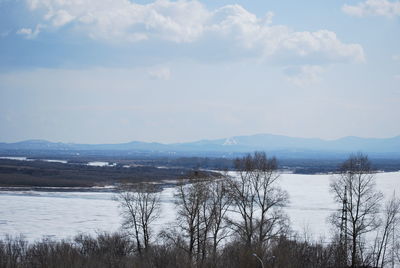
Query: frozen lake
[93, 163]
[64, 214]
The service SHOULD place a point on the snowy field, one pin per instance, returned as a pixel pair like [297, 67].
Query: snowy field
[62, 215]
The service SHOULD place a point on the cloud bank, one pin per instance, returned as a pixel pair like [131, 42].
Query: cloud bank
[374, 8]
[189, 22]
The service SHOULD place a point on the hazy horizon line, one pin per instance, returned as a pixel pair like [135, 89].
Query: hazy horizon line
[204, 139]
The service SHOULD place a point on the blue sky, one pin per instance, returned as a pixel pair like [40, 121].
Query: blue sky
[108, 71]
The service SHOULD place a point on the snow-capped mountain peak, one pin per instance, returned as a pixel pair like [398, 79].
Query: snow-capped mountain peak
[230, 141]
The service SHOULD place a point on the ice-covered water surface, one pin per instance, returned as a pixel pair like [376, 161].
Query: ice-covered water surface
[100, 164]
[64, 214]
[55, 161]
[93, 163]
[20, 158]
[56, 214]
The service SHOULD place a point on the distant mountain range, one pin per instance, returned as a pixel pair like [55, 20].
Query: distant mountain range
[276, 144]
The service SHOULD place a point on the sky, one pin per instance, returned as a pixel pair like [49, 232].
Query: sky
[111, 71]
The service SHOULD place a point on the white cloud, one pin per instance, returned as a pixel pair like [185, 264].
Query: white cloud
[302, 76]
[180, 21]
[162, 73]
[268, 17]
[25, 31]
[59, 18]
[30, 33]
[397, 77]
[190, 21]
[374, 8]
[252, 33]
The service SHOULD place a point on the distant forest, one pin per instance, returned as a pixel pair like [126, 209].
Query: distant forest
[142, 167]
[14, 173]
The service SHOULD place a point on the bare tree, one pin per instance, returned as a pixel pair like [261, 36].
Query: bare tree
[220, 202]
[257, 199]
[354, 189]
[202, 203]
[190, 202]
[386, 232]
[140, 207]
